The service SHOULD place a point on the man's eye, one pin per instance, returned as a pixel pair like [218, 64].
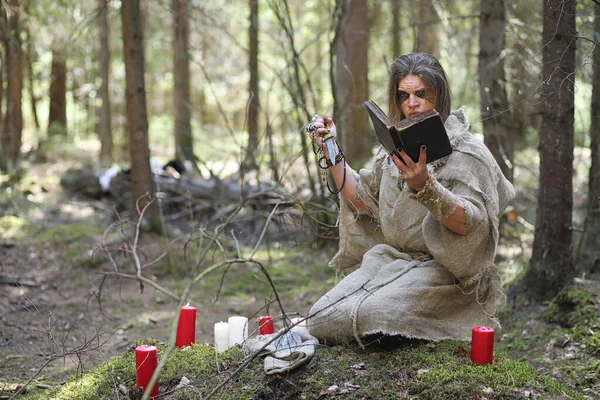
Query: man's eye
[403, 96]
[420, 93]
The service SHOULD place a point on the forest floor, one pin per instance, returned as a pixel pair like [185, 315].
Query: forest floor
[52, 323]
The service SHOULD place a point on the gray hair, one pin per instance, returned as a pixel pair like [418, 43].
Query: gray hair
[428, 68]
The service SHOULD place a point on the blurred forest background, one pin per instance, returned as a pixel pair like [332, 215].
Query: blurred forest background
[227, 89]
[129, 89]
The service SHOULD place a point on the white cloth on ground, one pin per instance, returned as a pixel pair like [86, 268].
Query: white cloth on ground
[288, 351]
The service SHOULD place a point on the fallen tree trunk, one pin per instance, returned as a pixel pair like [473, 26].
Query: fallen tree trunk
[86, 182]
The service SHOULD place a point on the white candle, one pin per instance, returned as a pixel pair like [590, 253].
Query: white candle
[300, 323]
[238, 330]
[221, 336]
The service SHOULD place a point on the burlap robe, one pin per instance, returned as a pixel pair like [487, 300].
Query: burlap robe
[417, 278]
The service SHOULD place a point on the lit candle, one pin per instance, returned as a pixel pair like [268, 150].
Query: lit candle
[482, 345]
[238, 330]
[145, 364]
[186, 329]
[266, 325]
[221, 336]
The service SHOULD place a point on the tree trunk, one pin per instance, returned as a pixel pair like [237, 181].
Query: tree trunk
[142, 188]
[3, 61]
[495, 113]
[57, 118]
[351, 84]
[105, 122]
[10, 142]
[551, 260]
[184, 142]
[428, 30]
[30, 56]
[396, 28]
[253, 101]
[591, 240]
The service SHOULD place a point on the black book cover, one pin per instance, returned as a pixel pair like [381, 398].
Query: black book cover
[411, 133]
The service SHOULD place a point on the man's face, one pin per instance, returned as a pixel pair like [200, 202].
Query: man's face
[413, 96]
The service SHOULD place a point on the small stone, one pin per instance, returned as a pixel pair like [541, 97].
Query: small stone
[183, 383]
[128, 326]
[123, 389]
[351, 386]
[333, 388]
[43, 386]
[487, 390]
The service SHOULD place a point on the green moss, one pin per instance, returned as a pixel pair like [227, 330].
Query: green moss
[571, 307]
[576, 308]
[101, 383]
[403, 369]
[197, 363]
[454, 377]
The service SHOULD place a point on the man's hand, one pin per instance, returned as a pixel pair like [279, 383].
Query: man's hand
[414, 174]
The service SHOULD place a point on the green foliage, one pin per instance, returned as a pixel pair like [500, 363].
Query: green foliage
[13, 227]
[219, 80]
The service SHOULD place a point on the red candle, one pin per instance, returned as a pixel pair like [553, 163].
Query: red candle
[186, 329]
[482, 345]
[266, 325]
[145, 365]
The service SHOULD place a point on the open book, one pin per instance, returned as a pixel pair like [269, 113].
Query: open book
[411, 133]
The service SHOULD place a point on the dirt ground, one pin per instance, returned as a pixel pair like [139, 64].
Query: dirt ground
[54, 310]
[49, 309]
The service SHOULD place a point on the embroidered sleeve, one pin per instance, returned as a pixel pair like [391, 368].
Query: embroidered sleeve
[436, 198]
